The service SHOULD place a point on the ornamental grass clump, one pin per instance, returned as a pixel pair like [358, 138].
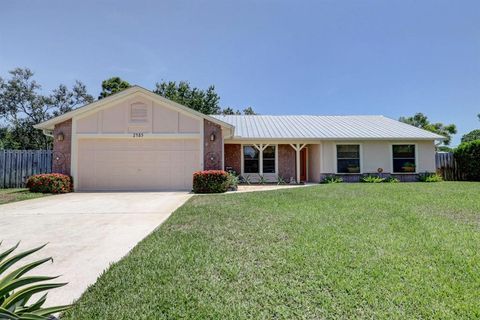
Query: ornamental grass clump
[211, 181]
[391, 180]
[331, 179]
[429, 177]
[372, 179]
[16, 289]
[50, 183]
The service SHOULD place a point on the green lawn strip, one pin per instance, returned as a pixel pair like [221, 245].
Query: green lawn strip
[329, 251]
[13, 195]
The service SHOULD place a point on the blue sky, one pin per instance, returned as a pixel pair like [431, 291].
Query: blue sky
[280, 57]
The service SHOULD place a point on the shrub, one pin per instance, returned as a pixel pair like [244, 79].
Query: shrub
[467, 156]
[429, 177]
[372, 179]
[210, 181]
[50, 183]
[331, 179]
[232, 181]
[391, 180]
[16, 290]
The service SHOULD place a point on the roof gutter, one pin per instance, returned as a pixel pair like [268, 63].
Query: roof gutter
[47, 132]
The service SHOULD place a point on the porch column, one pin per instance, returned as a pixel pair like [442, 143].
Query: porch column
[298, 147]
[260, 148]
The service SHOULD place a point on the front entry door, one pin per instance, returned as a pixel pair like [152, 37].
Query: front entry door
[303, 165]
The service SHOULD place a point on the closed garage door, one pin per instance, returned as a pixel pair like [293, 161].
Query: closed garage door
[137, 164]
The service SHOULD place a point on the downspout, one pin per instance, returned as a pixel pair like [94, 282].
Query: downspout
[48, 133]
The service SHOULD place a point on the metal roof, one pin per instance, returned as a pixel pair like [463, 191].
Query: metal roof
[323, 127]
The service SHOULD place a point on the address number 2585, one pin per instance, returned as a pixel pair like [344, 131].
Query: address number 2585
[138, 135]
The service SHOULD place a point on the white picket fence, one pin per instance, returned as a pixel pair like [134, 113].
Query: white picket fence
[17, 165]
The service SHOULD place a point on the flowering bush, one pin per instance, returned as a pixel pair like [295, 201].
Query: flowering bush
[50, 183]
[210, 181]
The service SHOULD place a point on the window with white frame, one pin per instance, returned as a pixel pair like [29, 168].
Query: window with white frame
[269, 159]
[348, 158]
[251, 159]
[404, 158]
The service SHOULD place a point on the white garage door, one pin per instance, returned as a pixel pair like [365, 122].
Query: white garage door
[137, 164]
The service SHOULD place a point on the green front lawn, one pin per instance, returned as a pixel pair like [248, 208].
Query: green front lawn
[12, 195]
[407, 250]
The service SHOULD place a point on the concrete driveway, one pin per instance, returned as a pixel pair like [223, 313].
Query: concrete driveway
[85, 232]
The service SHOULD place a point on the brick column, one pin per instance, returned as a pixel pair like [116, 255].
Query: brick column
[62, 149]
[212, 150]
[233, 157]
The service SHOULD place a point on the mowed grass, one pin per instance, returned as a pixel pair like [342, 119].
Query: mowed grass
[12, 195]
[371, 251]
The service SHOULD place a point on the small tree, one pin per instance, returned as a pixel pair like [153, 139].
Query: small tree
[420, 120]
[229, 111]
[249, 111]
[113, 85]
[22, 105]
[467, 156]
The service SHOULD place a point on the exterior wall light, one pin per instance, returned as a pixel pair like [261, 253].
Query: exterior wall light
[60, 136]
[212, 137]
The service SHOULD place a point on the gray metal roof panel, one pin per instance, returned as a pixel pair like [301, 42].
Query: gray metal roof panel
[322, 127]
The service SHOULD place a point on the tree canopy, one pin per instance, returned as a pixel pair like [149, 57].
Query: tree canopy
[471, 136]
[22, 106]
[204, 101]
[420, 120]
[231, 111]
[113, 85]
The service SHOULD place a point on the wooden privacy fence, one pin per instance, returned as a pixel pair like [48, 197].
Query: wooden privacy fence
[17, 165]
[447, 166]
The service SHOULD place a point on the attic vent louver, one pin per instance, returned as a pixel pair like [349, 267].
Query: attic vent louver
[138, 113]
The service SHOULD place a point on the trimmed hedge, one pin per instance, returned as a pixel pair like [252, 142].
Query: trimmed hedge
[210, 181]
[50, 183]
[467, 156]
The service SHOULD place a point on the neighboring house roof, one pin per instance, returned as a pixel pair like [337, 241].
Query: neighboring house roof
[50, 124]
[323, 127]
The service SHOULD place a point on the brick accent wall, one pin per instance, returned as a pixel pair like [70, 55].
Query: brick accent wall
[62, 150]
[212, 150]
[233, 157]
[286, 162]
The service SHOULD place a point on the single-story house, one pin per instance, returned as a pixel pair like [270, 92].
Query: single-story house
[138, 140]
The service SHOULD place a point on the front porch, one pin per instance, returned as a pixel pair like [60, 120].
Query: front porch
[274, 162]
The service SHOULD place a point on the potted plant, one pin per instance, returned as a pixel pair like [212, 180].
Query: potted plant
[408, 167]
[353, 169]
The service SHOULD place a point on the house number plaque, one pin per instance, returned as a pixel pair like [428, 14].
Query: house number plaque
[138, 135]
